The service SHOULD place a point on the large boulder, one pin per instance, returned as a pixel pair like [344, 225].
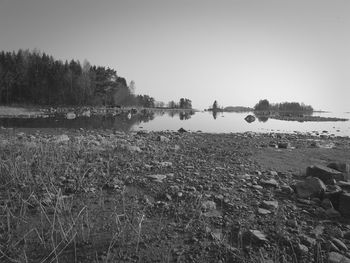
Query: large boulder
[249, 118]
[311, 187]
[344, 204]
[326, 174]
[341, 167]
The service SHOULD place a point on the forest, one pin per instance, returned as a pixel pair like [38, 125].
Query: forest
[265, 105]
[35, 78]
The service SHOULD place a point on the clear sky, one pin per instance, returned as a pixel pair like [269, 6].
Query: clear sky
[232, 51]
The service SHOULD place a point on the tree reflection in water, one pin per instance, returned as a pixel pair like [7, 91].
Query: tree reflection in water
[120, 122]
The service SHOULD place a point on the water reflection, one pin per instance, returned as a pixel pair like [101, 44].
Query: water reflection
[262, 118]
[122, 122]
[183, 115]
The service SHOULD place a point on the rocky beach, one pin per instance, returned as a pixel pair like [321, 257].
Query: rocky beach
[109, 196]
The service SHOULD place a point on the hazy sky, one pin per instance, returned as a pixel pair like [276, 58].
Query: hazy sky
[234, 51]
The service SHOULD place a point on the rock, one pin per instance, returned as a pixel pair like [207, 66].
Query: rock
[344, 185]
[326, 174]
[308, 241]
[263, 211]
[217, 234]
[86, 113]
[302, 249]
[339, 244]
[335, 257]
[20, 135]
[292, 223]
[162, 138]
[258, 187]
[341, 167]
[208, 205]
[249, 118]
[62, 138]
[157, 177]
[273, 173]
[332, 213]
[287, 189]
[176, 148]
[326, 204]
[347, 235]
[133, 148]
[333, 193]
[312, 186]
[270, 182]
[166, 164]
[254, 237]
[213, 214]
[344, 204]
[270, 205]
[71, 115]
[283, 145]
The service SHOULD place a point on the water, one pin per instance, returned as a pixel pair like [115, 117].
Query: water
[199, 121]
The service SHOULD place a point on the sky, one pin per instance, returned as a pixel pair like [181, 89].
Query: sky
[233, 51]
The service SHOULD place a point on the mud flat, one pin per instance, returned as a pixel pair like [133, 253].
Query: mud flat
[106, 196]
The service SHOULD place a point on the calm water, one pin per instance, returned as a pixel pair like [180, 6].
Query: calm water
[203, 121]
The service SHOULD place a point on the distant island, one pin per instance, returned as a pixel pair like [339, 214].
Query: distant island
[290, 111]
[288, 108]
[215, 107]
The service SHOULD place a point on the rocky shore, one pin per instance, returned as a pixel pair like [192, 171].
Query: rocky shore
[107, 196]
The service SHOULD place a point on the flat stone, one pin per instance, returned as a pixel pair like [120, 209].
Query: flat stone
[335, 257]
[263, 211]
[312, 186]
[157, 177]
[270, 205]
[326, 174]
[270, 182]
[258, 187]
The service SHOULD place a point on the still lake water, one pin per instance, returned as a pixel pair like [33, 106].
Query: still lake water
[200, 121]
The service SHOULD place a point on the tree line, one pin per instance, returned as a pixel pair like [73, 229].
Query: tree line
[265, 105]
[33, 77]
[182, 104]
